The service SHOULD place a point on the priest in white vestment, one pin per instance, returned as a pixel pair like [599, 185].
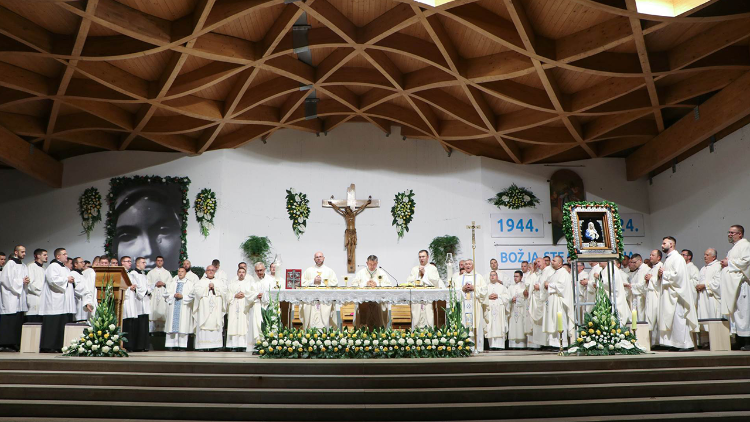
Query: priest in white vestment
[262, 286]
[368, 277]
[708, 290]
[529, 282]
[653, 294]
[677, 316]
[209, 305]
[507, 281]
[583, 287]
[538, 303]
[85, 290]
[620, 296]
[159, 279]
[424, 274]
[735, 285]
[517, 331]
[694, 278]
[138, 338]
[471, 291]
[559, 288]
[35, 286]
[239, 301]
[638, 285]
[496, 312]
[316, 314]
[13, 281]
[190, 274]
[58, 302]
[220, 274]
[179, 324]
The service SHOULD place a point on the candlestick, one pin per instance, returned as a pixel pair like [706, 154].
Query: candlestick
[634, 321]
[559, 321]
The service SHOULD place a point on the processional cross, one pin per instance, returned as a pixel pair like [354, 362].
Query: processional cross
[350, 208]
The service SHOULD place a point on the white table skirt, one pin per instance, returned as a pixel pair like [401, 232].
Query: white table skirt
[341, 296]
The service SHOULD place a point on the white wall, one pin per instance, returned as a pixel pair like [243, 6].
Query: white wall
[250, 184]
[706, 195]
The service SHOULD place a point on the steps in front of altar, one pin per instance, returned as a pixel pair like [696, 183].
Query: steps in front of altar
[548, 387]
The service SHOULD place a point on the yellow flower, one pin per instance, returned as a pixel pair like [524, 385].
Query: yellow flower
[299, 335]
[354, 335]
[367, 349]
[598, 333]
[395, 347]
[580, 340]
[271, 334]
[429, 347]
[99, 333]
[408, 348]
[583, 333]
[335, 349]
[309, 349]
[322, 349]
[281, 335]
[632, 341]
[299, 350]
[460, 347]
[619, 331]
[346, 350]
[627, 333]
[315, 335]
[91, 335]
[591, 324]
[382, 335]
[377, 350]
[324, 335]
[270, 350]
[591, 331]
[307, 335]
[290, 350]
[278, 347]
[612, 331]
[106, 335]
[262, 351]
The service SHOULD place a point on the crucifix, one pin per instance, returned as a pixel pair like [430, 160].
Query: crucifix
[474, 227]
[350, 208]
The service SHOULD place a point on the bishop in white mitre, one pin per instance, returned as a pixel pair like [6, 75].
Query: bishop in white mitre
[316, 314]
[538, 306]
[677, 316]
[496, 312]
[620, 296]
[179, 323]
[559, 288]
[35, 286]
[13, 281]
[239, 301]
[371, 276]
[471, 290]
[518, 313]
[209, 305]
[424, 274]
[653, 294]
[735, 285]
[159, 279]
[708, 289]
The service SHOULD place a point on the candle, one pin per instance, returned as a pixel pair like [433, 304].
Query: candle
[635, 320]
[559, 322]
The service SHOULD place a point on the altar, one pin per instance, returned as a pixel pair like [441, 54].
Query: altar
[341, 297]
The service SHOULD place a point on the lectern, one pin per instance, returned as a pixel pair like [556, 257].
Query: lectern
[121, 282]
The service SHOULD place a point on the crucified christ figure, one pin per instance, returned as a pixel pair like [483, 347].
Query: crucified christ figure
[350, 235]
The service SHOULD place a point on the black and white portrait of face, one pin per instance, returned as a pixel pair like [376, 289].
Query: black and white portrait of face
[148, 223]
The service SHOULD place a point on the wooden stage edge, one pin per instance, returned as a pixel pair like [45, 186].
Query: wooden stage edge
[508, 356]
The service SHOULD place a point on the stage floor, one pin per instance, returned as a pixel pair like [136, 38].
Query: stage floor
[493, 356]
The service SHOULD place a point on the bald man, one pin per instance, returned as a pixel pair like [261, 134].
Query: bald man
[209, 296]
[316, 314]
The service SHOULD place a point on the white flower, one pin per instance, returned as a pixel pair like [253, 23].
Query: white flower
[288, 343]
[409, 341]
[274, 343]
[641, 348]
[292, 191]
[401, 341]
[112, 327]
[105, 349]
[115, 337]
[611, 347]
[419, 342]
[367, 342]
[116, 348]
[89, 343]
[626, 345]
[297, 198]
[81, 350]
[595, 319]
[109, 343]
[199, 214]
[573, 349]
[526, 198]
[295, 343]
[265, 344]
[319, 343]
[95, 347]
[358, 342]
[304, 341]
[504, 198]
[65, 349]
[434, 342]
[393, 342]
[452, 342]
[617, 346]
[443, 340]
[327, 343]
[375, 342]
[460, 343]
[589, 344]
[599, 346]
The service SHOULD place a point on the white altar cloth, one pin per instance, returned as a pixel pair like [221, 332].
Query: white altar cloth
[341, 296]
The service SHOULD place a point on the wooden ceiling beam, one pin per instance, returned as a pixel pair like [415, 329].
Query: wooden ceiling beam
[717, 113]
[19, 154]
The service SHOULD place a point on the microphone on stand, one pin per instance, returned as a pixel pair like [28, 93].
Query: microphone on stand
[391, 275]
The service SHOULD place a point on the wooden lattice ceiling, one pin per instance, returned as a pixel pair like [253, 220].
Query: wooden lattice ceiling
[526, 81]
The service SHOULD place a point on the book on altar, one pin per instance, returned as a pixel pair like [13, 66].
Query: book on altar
[293, 279]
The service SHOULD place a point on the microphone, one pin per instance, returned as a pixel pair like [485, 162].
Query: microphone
[389, 274]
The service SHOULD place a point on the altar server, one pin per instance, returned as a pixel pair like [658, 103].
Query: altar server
[694, 277]
[35, 286]
[209, 296]
[316, 314]
[708, 290]
[85, 290]
[496, 311]
[507, 281]
[220, 274]
[638, 285]
[518, 313]
[58, 302]
[424, 274]
[525, 269]
[735, 285]
[13, 282]
[179, 323]
[620, 295]
[677, 316]
[190, 274]
[240, 299]
[653, 285]
[472, 293]
[538, 302]
[158, 281]
[559, 291]
[372, 276]
[135, 320]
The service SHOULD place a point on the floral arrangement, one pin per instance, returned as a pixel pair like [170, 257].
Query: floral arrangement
[514, 198]
[363, 343]
[603, 334]
[205, 210]
[103, 337]
[298, 208]
[118, 184]
[403, 211]
[90, 209]
[567, 224]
